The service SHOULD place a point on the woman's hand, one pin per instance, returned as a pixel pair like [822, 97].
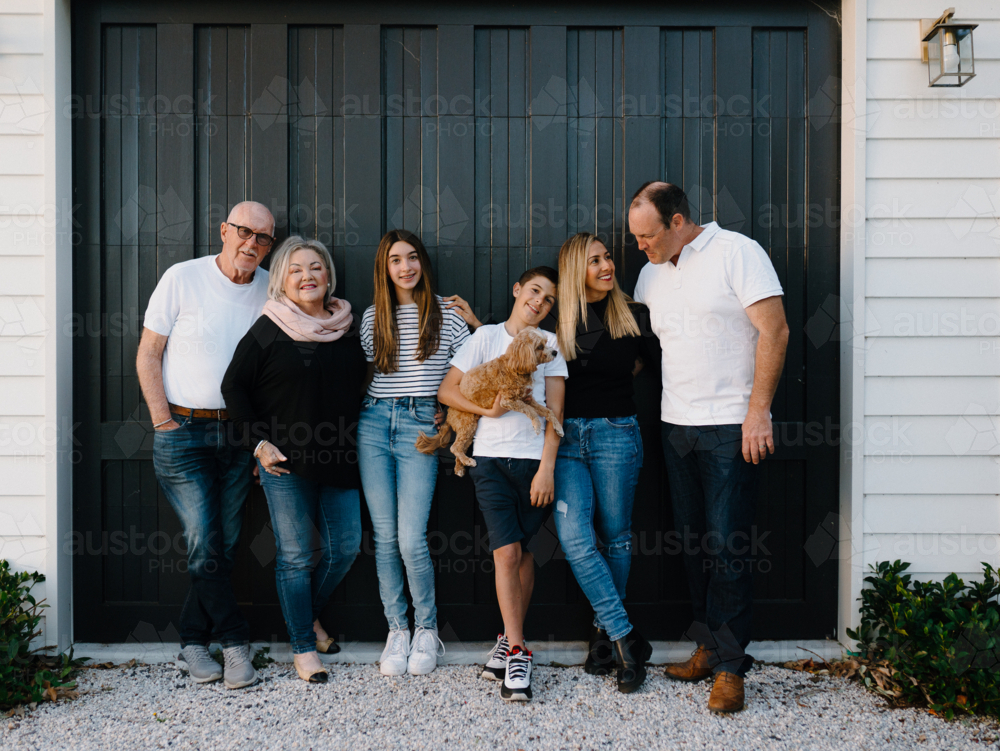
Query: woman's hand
[463, 309]
[496, 410]
[270, 458]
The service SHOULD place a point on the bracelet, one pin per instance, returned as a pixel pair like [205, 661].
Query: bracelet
[258, 446]
[169, 419]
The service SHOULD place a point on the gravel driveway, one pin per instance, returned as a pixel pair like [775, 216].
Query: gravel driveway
[154, 706]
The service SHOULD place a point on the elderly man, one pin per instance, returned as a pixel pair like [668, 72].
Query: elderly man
[715, 304]
[197, 315]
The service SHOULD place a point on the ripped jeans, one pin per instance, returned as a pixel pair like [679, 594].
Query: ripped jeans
[596, 473]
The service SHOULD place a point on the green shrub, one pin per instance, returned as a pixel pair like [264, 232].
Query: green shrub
[933, 643]
[27, 675]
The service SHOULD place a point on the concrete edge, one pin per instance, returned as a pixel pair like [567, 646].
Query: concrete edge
[465, 653]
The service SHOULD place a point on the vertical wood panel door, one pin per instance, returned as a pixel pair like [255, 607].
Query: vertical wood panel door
[494, 133]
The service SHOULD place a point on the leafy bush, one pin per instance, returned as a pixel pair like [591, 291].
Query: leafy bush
[27, 675]
[933, 643]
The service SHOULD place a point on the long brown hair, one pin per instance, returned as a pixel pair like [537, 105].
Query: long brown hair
[618, 319]
[386, 336]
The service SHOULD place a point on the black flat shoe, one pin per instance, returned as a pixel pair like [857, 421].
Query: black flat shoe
[600, 658]
[631, 653]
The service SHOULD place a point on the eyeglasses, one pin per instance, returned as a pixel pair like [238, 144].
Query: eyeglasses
[246, 233]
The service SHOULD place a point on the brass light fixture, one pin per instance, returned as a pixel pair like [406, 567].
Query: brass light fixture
[947, 50]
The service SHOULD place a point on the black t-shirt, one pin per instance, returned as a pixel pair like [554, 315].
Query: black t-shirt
[600, 376]
[304, 397]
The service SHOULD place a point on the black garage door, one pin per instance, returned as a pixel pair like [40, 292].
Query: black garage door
[495, 132]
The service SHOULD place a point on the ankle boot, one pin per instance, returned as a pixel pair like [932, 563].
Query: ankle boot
[600, 659]
[631, 653]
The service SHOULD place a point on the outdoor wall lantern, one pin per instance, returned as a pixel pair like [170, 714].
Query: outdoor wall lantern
[947, 50]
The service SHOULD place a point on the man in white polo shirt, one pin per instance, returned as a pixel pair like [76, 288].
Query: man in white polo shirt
[196, 316]
[715, 304]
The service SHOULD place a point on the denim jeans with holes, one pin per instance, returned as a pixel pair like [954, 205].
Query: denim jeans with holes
[596, 472]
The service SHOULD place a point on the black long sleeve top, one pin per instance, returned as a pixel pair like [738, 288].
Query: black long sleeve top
[303, 397]
[600, 376]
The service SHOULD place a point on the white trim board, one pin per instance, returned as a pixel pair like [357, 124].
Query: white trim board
[467, 653]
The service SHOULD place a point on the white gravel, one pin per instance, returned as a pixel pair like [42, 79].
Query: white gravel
[155, 706]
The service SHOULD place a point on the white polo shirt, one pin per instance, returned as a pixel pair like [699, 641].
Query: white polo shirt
[698, 311]
[203, 315]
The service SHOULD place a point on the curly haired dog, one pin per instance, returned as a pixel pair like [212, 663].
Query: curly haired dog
[510, 376]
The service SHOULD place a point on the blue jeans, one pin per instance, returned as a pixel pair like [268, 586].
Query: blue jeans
[317, 531]
[206, 481]
[713, 491]
[596, 473]
[399, 486]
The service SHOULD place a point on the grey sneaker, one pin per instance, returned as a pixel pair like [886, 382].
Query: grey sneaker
[195, 659]
[239, 670]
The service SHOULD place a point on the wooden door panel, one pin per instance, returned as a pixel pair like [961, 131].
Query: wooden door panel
[495, 143]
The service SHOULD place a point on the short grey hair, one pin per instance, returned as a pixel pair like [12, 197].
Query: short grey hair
[283, 256]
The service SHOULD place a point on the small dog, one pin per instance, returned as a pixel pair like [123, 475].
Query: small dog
[510, 376]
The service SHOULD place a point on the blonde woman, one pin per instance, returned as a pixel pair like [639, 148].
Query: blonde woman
[293, 385]
[605, 338]
[409, 336]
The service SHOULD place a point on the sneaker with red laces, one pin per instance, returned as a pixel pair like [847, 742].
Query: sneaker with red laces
[517, 680]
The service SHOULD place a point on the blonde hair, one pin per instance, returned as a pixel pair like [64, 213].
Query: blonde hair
[618, 319]
[282, 258]
[385, 337]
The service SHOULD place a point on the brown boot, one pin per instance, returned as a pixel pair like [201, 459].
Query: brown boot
[727, 693]
[694, 669]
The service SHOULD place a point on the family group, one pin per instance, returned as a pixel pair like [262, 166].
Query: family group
[252, 373]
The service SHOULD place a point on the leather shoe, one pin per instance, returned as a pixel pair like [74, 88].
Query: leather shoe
[327, 646]
[694, 668]
[631, 653]
[600, 659]
[727, 693]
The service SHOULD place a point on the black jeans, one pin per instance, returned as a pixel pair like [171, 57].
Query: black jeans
[713, 490]
[207, 482]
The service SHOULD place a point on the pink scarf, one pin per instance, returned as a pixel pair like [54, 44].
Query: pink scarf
[305, 328]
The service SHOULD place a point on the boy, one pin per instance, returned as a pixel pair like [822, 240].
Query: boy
[514, 470]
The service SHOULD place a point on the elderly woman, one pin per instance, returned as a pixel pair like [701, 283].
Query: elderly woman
[293, 391]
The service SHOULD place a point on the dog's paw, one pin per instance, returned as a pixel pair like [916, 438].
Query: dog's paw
[471, 463]
[559, 430]
[460, 470]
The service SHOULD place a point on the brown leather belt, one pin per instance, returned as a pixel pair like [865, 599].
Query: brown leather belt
[214, 414]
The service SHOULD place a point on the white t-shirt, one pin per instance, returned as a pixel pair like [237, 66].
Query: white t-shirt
[698, 311]
[510, 435]
[413, 378]
[204, 315]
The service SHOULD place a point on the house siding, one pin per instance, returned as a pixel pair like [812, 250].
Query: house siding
[931, 402]
[35, 266]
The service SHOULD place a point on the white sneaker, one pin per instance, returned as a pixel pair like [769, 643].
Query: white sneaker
[397, 649]
[424, 651]
[517, 682]
[496, 666]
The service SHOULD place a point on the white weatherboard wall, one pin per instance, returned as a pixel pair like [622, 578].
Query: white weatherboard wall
[931, 277]
[35, 299]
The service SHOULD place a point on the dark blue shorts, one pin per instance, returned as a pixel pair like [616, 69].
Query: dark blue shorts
[503, 491]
